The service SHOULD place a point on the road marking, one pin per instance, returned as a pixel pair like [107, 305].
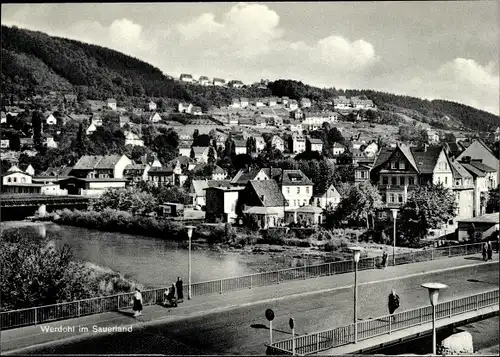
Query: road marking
[171, 318]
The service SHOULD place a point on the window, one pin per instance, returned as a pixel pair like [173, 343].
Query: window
[411, 180]
[400, 198]
[288, 190]
[23, 179]
[391, 197]
[446, 180]
[385, 180]
[9, 179]
[402, 165]
[298, 189]
[362, 173]
[307, 189]
[457, 182]
[15, 179]
[394, 180]
[402, 180]
[393, 165]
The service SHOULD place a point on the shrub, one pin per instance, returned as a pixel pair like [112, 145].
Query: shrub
[274, 236]
[336, 244]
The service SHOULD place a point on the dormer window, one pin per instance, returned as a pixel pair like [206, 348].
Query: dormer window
[402, 165]
[393, 165]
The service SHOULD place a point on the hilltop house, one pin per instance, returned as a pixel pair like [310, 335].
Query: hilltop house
[49, 141]
[184, 107]
[260, 143]
[341, 102]
[203, 81]
[272, 101]
[305, 103]
[219, 82]
[152, 106]
[240, 146]
[111, 103]
[293, 104]
[285, 100]
[154, 118]
[133, 139]
[298, 144]
[314, 121]
[314, 144]
[278, 143]
[186, 78]
[236, 84]
[50, 119]
[338, 149]
[184, 149]
[236, 103]
[297, 114]
[371, 149]
[196, 111]
[244, 102]
[202, 153]
[259, 102]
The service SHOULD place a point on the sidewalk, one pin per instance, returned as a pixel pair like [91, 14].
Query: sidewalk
[19, 338]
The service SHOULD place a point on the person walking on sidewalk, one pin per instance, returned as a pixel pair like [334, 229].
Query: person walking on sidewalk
[490, 251]
[137, 303]
[485, 250]
[180, 292]
[393, 301]
[384, 259]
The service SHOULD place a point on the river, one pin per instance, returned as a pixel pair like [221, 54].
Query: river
[149, 261]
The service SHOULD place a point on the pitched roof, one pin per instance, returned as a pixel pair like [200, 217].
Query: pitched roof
[57, 171]
[243, 176]
[426, 159]
[219, 170]
[483, 167]
[315, 141]
[183, 160]
[135, 167]
[478, 150]
[108, 162]
[270, 190]
[199, 150]
[87, 162]
[239, 143]
[294, 177]
[162, 169]
[474, 171]
[459, 171]
[407, 152]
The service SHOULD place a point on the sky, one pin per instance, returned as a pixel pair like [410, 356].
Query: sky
[435, 50]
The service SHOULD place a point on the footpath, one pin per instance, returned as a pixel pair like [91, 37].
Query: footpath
[21, 339]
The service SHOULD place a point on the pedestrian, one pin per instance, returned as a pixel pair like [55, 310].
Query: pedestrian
[172, 291]
[393, 301]
[384, 259]
[485, 250]
[137, 303]
[490, 251]
[180, 292]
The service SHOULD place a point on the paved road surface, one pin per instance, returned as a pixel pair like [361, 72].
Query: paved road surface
[243, 330]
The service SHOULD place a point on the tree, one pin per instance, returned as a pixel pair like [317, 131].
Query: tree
[81, 141]
[36, 122]
[360, 203]
[426, 208]
[128, 199]
[211, 156]
[251, 145]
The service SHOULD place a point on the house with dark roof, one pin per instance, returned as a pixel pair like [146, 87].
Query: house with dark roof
[219, 82]
[236, 84]
[261, 203]
[109, 166]
[186, 78]
[111, 103]
[136, 172]
[240, 146]
[314, 144]
[399, 170]
[197, 189]
[484, 179]
[463, 188]
[329, 197]
[478, 150]
[161, 176]
[244, 175]
[221, 202]
[203, 80]
[296, 187]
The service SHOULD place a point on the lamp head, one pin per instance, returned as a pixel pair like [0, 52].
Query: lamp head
[190, 230]
[356, 253]
[434, 291]
[394, 213]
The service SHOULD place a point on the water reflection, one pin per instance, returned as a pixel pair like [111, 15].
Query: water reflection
[150, 261]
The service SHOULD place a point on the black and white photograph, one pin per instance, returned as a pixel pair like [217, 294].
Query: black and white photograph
[250, 178]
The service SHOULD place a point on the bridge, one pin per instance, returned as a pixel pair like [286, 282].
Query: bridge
[389, 329]
[27, 200]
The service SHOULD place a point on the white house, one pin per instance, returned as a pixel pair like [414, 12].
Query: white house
[3, 119]
[51, 120]
[30, 170]
[111, 103]
[244, 102]
[338, 149]
[305, 103]
[296, 187]
[219, 82]
[186, 78]
[341, 102]
[185, 107]
[154, 118]
[371, 150]
[133, 139]
[4, 143]
[315, 121]
[50, 142]
[219, 173]
[236, 84]
[260, 143]
[259, 102]
[285, 100]
[293, 105]
[315, 144]
[201, 153]
[272, 101]
[295, 126]
[240, 147]
[298, 144]
[278, 143]
[236, 103]
[92, 127]
[203, 80]
[330, 197]
[184, 149]
[152, 106]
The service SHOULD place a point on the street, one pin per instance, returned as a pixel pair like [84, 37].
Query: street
[244, 330]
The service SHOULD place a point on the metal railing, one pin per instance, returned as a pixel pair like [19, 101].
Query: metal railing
[323, 340]
[67, 310]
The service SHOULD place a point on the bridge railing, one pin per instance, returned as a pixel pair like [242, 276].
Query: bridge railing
[67, 310]
[323, 340]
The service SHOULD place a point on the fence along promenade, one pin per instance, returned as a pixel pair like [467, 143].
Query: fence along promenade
[72, 309]
[324, 340]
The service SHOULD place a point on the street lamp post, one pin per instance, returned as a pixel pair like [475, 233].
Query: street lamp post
[394, 216]
[356, 253]
[190, 234]
[433, 297]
